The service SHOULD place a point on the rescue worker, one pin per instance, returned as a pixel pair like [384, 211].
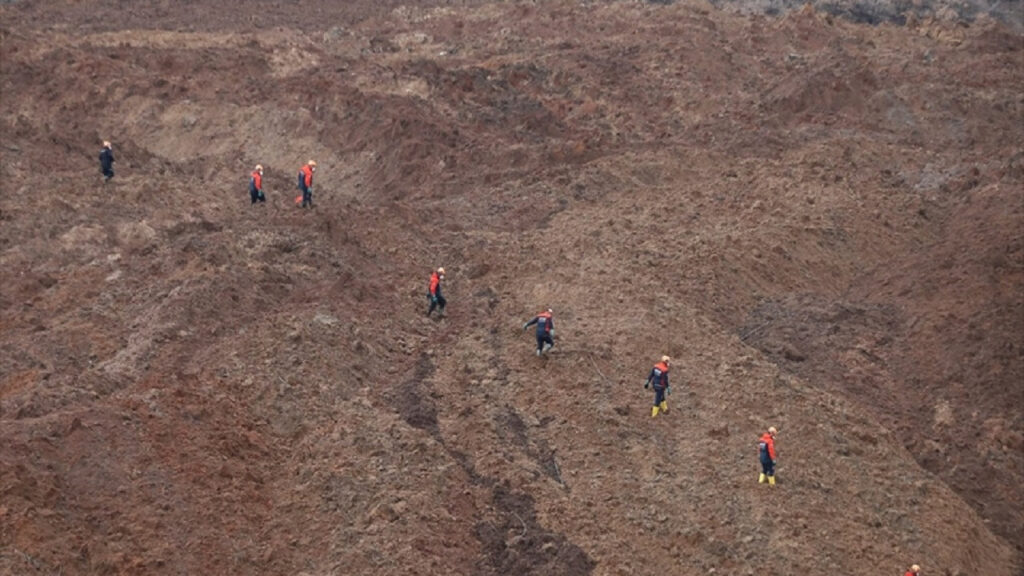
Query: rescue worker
[107, 161]
[659, 379]
[434, 293]
[256, 185]
[766, 452]
[914, 570]
[306, 183]
[545, 330]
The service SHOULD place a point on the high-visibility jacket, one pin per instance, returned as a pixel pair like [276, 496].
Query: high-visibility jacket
[435, 284]
[659, 375]
[545, 323]
[766, 447]
[307, 177]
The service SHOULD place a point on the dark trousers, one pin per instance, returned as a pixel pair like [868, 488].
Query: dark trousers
[439, 303]
[542, 338]
[108, 172]
[307, 197]
[257, 196]
[767, 466]
[659, 396]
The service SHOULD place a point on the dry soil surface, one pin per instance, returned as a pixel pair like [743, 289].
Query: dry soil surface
[820, 220]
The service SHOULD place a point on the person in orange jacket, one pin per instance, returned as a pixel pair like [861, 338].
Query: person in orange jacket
[659, 379]
[766, 452]
[914, 571]
[256, 185]
[306, 183]
[545, 330]
[434, 293]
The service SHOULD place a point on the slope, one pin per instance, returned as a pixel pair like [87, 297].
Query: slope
[197, 386]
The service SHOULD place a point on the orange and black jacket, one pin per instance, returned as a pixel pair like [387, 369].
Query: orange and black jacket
[306, 181]
[435, 285]
[766, 446]
[544, 323]
[255, 182]
[659, 375]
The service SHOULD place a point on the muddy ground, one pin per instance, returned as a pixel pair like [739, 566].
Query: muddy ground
[821, 220]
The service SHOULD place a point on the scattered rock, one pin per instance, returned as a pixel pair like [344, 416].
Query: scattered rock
[944, 414]
[325, 319]
[793, 355]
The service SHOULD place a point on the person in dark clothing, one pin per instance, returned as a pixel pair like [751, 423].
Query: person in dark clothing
[107, 161]
[766, 453]
[659, 379]
[545, 330]
[256, 185]
[434, 293]
[306, 183]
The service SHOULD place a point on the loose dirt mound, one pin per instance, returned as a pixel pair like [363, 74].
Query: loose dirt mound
[820, 221]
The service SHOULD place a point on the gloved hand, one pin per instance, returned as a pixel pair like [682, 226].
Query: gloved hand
[433, 298]
[525, 326]
[647, 385]
[668, 390]
[552, 333]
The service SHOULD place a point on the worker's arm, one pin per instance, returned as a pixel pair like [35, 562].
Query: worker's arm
[530, 323]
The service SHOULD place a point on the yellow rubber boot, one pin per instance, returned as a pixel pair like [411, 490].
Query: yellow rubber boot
[761, 479]
[664, 406]
[654, 411]
[771, 480]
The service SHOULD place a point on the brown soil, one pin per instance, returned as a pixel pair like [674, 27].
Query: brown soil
[821, 221]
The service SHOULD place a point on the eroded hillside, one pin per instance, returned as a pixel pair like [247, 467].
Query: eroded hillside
[821, 221]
